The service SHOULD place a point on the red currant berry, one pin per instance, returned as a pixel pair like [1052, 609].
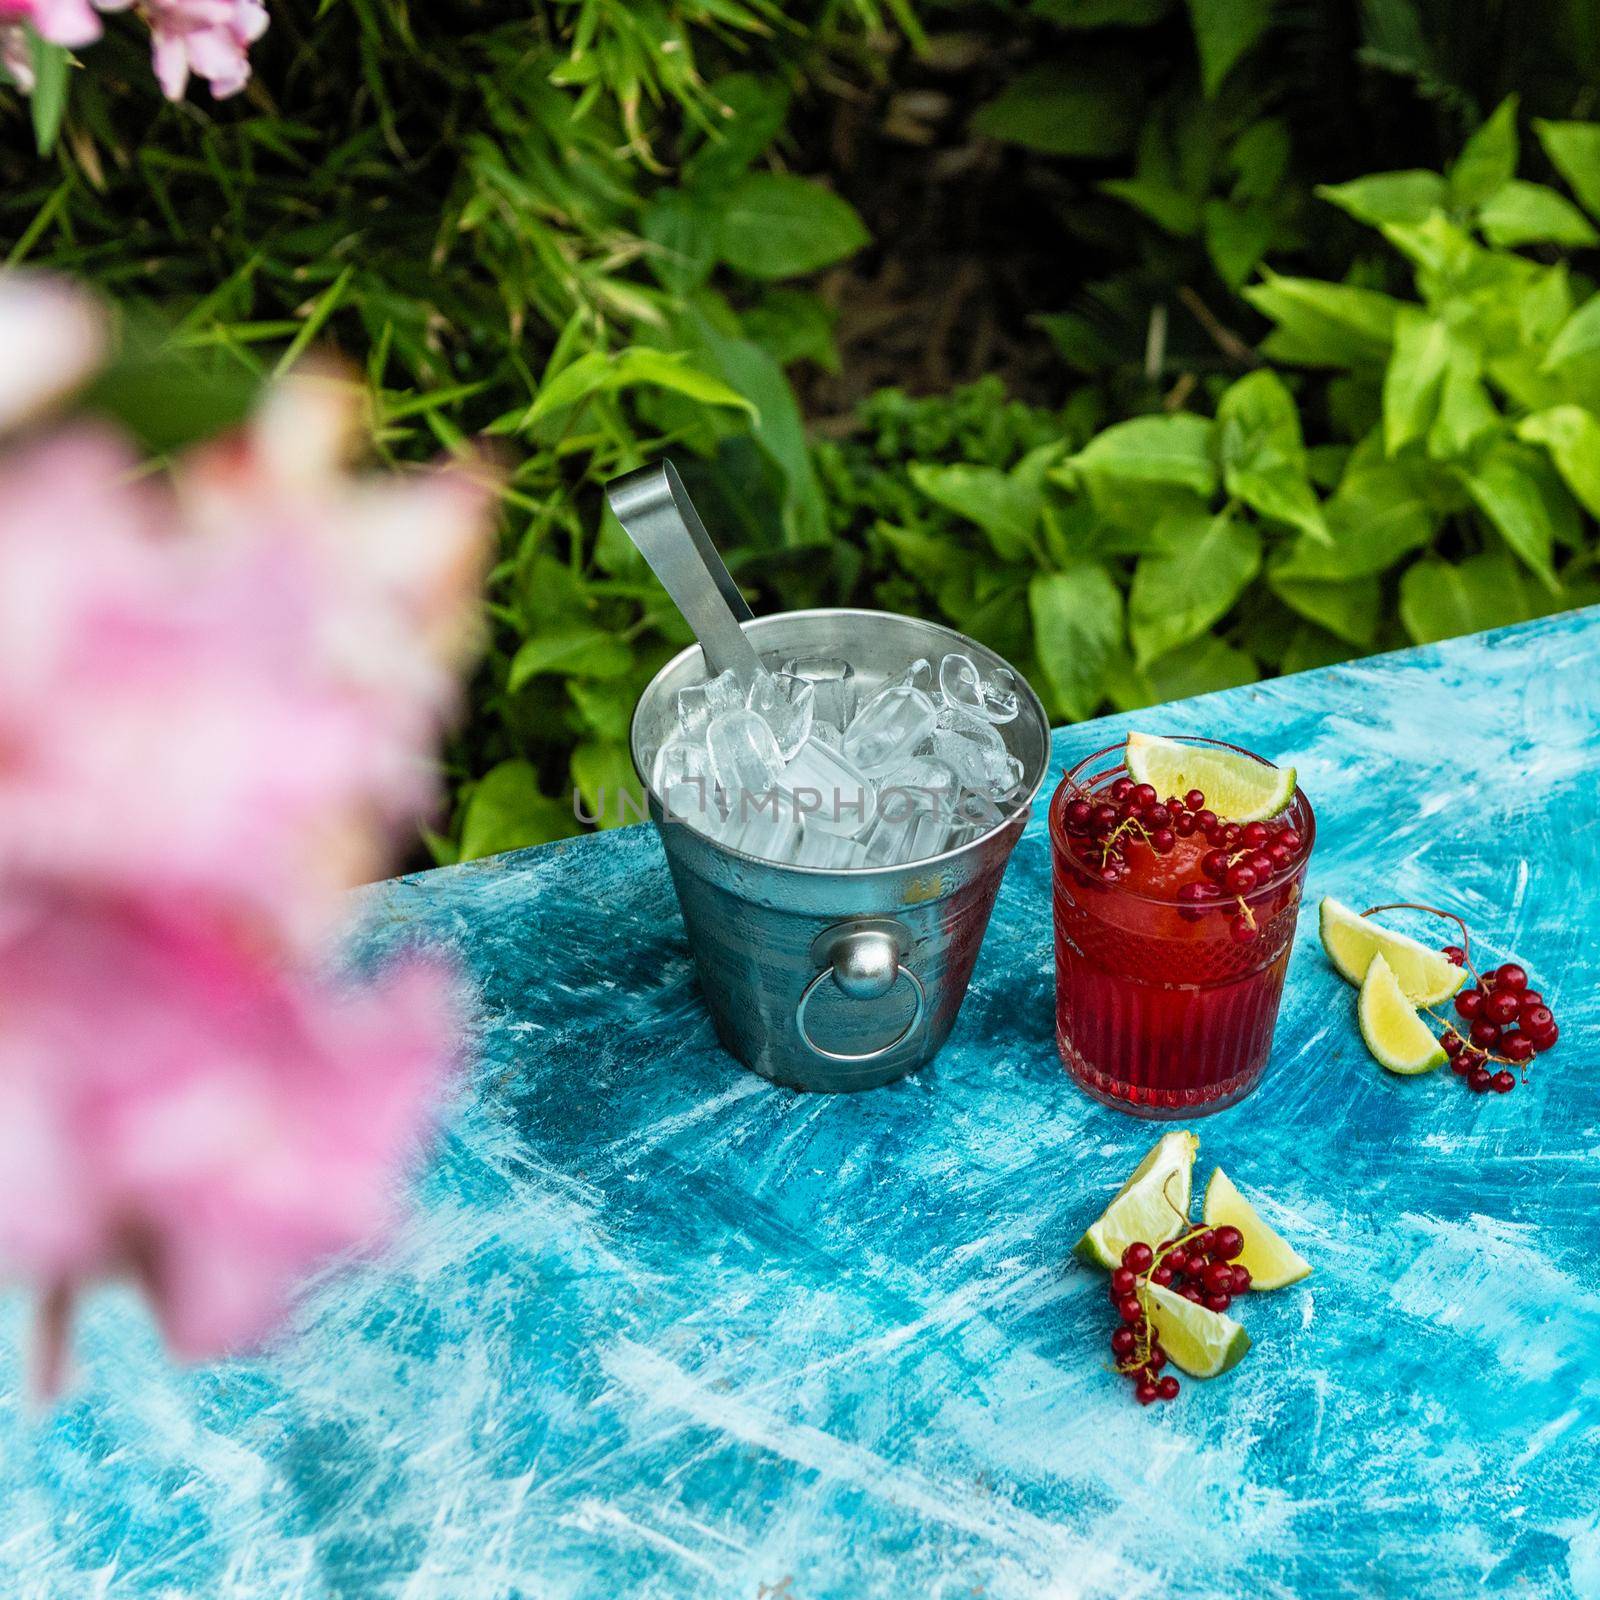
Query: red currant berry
[1103, 819]
[1183, 825]
[1502, 1082]
[1214, 863]
[1189, 1292]
[1280, 855]
[1162, 840]
[1144, 796]
[1206, 821]
[1455, 955]
[1121, 789]
[1123, 1283]
[1218, 1302]
[1260, 863]
[1469, 1003]
[1255, 835]
[1231, 832]
[1130, 1311]
[1161, 1275]
[1147, 1393]
[1516, 1047]
[1122, 1341]
[1290, 840]
[1501, 1006]
[1478, 1079]
[1510, 976]
[1242, 930]
[1138, 1256]
[1528, 999]
[1452, 1042]
[1168, 1388]
[1178, 1259]
[1241, 878]
[1217, 1278]
[1203, 1243]
[1229, 1242]
[1485, 1034]
[1158, 1358]
[1461, 1064]
[1537, 1018]
[1241, 1278]
[1158, 817]
[1545, 1038]
[1195, 800]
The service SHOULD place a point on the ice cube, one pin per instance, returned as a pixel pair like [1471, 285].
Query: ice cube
[819, 848]
[834, 682]
[743, 756]
[787, 705]
[978, 753]
[965, 689]
[913, 822]
[828, 791]
[888, 728]
[701, 702]
[769, 829]
[919, 675]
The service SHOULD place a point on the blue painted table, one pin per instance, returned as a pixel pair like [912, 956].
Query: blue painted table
[660, 1329]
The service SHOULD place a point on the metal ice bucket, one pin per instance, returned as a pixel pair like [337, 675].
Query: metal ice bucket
[838, 979]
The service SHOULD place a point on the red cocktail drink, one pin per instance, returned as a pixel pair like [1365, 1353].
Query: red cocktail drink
[1173, 929]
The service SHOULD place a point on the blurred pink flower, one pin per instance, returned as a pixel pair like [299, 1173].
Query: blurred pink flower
[177, 1106]
[210, 38]
[220, 689]
[52, 336]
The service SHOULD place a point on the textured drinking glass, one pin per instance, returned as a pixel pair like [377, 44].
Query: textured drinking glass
[1159, 1011]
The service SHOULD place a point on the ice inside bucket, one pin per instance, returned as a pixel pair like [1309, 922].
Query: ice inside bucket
[826, 978]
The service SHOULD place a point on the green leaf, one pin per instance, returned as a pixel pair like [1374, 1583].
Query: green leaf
[749, 114]
[1077, 628]
[1507, 491]
[506, 811]
[570, 651]
[1223, 31]
[1529, 213]
[1407, 196]
[1422, 349]
[1174, 449]
[1466, 414]
[600, 373]
[1572, 436]
[1488, 160]
[1166, 206]
[1325, 324]
[684, 233]
[794, 325]
[1574, 151]
[1375, 518]
[1007, 506]
[1062, 110]
[1199, 668]
[1237, 237]
[1441, 599]
[1207, 564]
[48, 102]
[1263, 453]
[1348, 608]
[775, 225]
[1313, 647]
[611, 791]
[1578, 336]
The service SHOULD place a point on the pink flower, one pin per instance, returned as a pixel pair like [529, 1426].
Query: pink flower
[177, 1107]
[66, 22]
[52, 336]
[207, 37]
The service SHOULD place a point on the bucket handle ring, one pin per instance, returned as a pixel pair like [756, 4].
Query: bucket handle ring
[864, 962]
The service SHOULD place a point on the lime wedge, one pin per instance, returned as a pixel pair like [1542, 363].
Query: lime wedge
[1144, 1206]
[1351, 942]
[1394, 1032]
[1271, 1261]
[1204, 1343]
[1237, 787]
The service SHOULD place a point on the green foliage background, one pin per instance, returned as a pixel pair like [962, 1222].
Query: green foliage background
[1303, 406]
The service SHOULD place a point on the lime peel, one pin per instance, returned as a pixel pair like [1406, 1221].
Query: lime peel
[1237, 787]
[1351, 941]
[1272, 1261]
[1394, 1031]
[1147, 1205]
